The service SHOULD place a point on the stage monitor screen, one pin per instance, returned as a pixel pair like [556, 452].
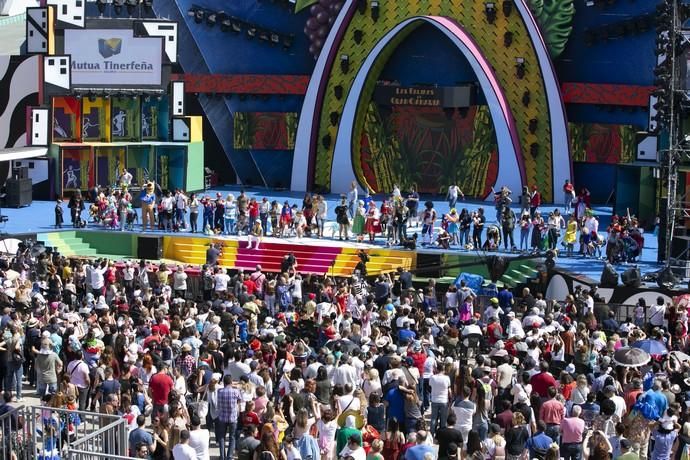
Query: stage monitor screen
[113, 58]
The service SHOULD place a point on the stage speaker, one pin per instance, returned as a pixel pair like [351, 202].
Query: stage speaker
[18, 192]
[631, 277]
[177, 98]
[21, 172]
[609, 277]
[665, 278]
[150, 247]
[497, 266]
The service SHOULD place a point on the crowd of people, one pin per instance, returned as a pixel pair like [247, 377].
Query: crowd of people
[397, 220]
[282, 366]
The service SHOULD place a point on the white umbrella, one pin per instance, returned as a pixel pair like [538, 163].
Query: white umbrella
[631, 357]
[9, 245]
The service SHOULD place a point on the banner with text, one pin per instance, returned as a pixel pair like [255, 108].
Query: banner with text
[425, 96]
[113, 58]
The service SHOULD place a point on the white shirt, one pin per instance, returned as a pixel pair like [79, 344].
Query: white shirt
[221, 281]
[181, 201]
[453, 191]
[515, 329]
[180, 281]
[198, 440]
[440, 384]
[184, 452]
[656, 315]
[345, 373]
[128, 274]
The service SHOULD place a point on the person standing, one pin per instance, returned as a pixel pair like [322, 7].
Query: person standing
[534, 201]
[160, 386]
[412, 206]
[218, 212]
[352, 198]
[198, 438]
[508, 226]
[452, 195]
[47, 365]
[264, 209]
[428, 220]
[255, 235]
[148, 204]
[76, 206]
[58, 213]
[343, 219]
[552, 413]
[440, 395]
[229, 399]
[572, 429]
[180, 209]
[568, 196]
[478, 221]
[193, 212]
[230, 215]
[182, 450]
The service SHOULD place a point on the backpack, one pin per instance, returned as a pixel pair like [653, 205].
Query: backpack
[266, 455]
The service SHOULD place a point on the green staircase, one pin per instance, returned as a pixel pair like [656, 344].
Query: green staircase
[69, 243]
[518, 273]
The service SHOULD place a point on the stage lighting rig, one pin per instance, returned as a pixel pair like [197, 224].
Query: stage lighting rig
[507, 7]
[507, 39]
[520, 67]
[374, 10]
[490, 11]
[345, 63]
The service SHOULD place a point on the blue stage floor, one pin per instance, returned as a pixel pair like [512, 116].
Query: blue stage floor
[39, 218]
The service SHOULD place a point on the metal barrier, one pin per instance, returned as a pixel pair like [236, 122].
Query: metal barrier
[48, 432]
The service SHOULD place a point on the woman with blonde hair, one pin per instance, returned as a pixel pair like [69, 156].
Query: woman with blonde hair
[372, 382]
[516, 438]
[327, 426]
[578, 394]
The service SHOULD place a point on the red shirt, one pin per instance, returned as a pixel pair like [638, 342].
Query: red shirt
[251, 286]
[541, 383]
[419, 359]
[250, 418]
[160, 384]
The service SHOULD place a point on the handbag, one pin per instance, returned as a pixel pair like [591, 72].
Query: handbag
[200, 407]
[359, 420]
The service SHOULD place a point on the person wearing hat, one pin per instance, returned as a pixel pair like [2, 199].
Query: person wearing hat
[186, 362]
[47, 366]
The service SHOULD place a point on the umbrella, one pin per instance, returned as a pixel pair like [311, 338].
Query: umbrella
[631, 357]
[9, 245]
[653, 347]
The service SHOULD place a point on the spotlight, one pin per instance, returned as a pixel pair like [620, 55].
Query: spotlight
[235, 25]
[275, 38]
[507, 39]
[101, 7]
[358, 36]
[78, 96]
[520, 67]
[92, 97]
[344, 63]
[338, 92]
[199, 16]
[288, 40]
[211, 19]
[534, 149]
[533, 125]
[335, 117]
[507, 7]
[225, 25]
[375, 10]
[361, 6]
[490, 10]
[526, 98]
[117, 6]
[264, 35]
[326, 141]
[251, 31]
[131, 6]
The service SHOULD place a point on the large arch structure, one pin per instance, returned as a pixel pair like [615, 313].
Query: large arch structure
[333, 166]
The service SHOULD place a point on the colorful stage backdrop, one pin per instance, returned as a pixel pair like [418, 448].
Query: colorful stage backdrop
[598, 143]
[265, 130]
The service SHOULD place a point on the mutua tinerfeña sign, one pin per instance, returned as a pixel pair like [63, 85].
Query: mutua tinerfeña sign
[113, 58]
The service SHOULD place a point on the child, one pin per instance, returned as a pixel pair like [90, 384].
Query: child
[58, 213]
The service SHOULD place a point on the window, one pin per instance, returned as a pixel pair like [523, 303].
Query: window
[31, 33]
[31, 165]
[51, 61]
[64, 9]
[63, 71]
[78, 4]
[63, 61]
[43, 14]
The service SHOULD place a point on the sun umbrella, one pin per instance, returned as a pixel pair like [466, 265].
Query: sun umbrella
[653, 347]
[631, 357]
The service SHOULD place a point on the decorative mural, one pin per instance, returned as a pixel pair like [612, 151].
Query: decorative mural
[95, 119]
[125, 119]
[555, 18]
[66, 119]
[19, 83]
[77, 169]
[599, 143]
[430, 149]
[264, 130]
[536, 96]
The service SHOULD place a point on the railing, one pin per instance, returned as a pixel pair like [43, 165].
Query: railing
[48, 432]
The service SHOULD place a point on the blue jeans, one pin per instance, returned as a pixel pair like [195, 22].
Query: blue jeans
[439, 414]
[571, 451]
[208, 221]
[223, 429]
[42, 387]
[554, 432]
[13, 379]
[229, 225]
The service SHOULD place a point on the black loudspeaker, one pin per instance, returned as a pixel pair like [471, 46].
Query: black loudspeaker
[18, 192]
[150, 247]
[497, 266]
[609, 277]
[21, 172]
[631, 277]
[666, 278]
